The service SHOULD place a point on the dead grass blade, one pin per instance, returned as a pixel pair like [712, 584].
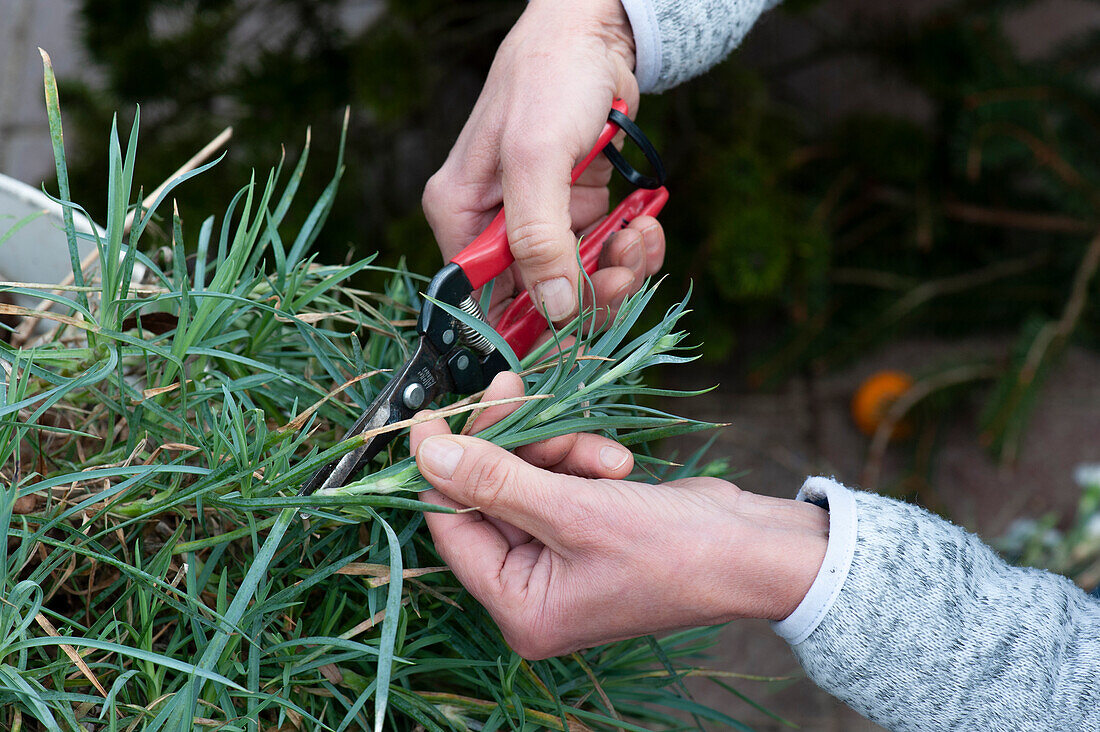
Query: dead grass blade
[69, 651]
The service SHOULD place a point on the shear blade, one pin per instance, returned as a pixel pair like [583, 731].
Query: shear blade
[425, 368]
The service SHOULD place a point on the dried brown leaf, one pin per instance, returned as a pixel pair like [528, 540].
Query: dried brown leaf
[25, 504]
[157, 391]
[332, 673]
[21, 311]
[296, 424]
[69, 651]
[311, 318]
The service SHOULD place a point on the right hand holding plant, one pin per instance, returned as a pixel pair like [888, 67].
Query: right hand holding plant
[565, 554]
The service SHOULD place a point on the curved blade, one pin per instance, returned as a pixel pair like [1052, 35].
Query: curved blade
[426, 369]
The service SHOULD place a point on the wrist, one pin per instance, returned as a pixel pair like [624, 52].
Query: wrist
[799, 540]
[615, 28]
[780, 550]
[606, 19]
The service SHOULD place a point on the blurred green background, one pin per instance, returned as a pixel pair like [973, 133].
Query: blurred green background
[816, 229]
[864, 185]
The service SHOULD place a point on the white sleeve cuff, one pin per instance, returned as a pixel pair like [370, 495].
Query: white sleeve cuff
[647, 42]
[841, 505]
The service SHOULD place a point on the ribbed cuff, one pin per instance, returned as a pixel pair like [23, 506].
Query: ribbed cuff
[647, 42]
[841, 504]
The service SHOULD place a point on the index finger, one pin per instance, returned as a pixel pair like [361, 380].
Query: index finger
[536, 178]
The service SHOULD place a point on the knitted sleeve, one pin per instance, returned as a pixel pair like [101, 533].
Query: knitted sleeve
[926, 628]
[676, 40]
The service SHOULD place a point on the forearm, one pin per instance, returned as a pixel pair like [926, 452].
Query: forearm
[676, 40]
[929, 630]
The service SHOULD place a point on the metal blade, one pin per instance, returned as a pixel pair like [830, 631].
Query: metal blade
[413, 388]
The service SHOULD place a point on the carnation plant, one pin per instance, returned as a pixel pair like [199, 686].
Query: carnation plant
[161, 570]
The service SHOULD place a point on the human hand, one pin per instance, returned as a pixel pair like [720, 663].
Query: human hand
[564, 554]
[544, 103]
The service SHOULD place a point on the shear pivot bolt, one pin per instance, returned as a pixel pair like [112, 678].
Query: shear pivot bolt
[413, 396]
[448, 337]
[463, 362]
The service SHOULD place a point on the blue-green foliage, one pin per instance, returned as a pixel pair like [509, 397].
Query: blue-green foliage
[164, 538]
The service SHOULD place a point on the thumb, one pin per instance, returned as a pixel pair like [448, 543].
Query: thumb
[480, 475]
[535, 178]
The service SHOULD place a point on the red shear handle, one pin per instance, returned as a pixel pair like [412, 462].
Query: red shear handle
[522, 323]
[488, 255]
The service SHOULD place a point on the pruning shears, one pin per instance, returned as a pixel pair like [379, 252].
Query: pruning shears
[452, 357]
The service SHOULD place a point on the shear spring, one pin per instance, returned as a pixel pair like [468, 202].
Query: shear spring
[473, 340]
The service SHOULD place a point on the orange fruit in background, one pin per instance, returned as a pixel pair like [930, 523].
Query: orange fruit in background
[873, 400]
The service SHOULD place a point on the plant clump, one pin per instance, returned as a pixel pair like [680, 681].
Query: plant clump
[160, 570]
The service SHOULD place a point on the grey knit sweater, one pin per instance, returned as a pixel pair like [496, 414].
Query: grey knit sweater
[911, 621]
[916, 624]
[677, 39]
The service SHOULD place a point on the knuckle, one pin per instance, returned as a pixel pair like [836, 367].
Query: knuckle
[601, 197]
[489, 477]
[511, 45]
[451, 191]
[439, 197]
[704, 484]
[549, 453]
[715, 486]
[535, 244]
[433, 190]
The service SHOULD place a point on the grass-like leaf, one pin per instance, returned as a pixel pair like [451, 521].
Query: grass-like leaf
[151, 455]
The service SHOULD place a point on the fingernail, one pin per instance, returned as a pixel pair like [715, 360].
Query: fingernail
[558, 297]
[652, 238]
[632, 255]
[440, 455]
[613, 458]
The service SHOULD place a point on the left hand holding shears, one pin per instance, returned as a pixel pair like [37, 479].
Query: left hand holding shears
[544, 101]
